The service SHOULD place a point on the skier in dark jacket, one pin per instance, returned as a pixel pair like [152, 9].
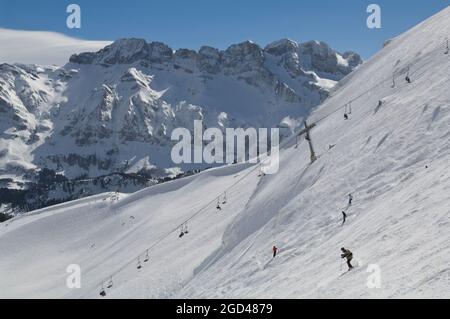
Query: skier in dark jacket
[350, 199]
[349, 255]
[275, 250]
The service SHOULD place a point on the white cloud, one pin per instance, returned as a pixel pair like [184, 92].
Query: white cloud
[40, 47]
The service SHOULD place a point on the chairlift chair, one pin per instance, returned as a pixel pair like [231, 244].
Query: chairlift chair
[181, 233]
[110, 283]
[139, 265]
[218, 204]
[102, 291]
[347, 111]
[407, 78]
[345, 116]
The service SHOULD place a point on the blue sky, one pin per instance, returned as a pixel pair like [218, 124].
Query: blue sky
[192, 23]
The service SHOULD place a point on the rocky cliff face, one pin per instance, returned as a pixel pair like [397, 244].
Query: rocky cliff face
[114, 110]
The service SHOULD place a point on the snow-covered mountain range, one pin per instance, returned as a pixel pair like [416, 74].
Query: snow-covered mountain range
[392, 156]
[113, 111]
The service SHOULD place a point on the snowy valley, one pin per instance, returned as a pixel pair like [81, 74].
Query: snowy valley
[392, 155]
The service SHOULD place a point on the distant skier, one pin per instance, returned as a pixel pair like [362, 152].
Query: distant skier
[349, 255]
[408, 79]
[344, 217]
[345, 116]
[350, 199]
[275, 250]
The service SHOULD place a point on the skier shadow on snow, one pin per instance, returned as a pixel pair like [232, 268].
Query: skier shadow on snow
[434, 117]
[381, 142]
[300, 178]
[369, 139]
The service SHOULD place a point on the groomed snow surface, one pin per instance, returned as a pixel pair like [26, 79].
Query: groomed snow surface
[393, 158]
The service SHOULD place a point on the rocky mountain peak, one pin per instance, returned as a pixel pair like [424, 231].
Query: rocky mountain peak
[126, 51]
[236, 59]
[281, 47]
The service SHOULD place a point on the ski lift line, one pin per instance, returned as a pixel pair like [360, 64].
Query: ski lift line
[178, 227]
[351, 101]
[399, 88]
[416, 69]
[184, 223]
[437, 49]
[174, 230]
[370, 89]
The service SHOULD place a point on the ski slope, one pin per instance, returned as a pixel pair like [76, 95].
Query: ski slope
[393, 158]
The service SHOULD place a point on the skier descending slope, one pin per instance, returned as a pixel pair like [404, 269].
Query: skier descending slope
[349, 255]
[275, 250]
[350, 199]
